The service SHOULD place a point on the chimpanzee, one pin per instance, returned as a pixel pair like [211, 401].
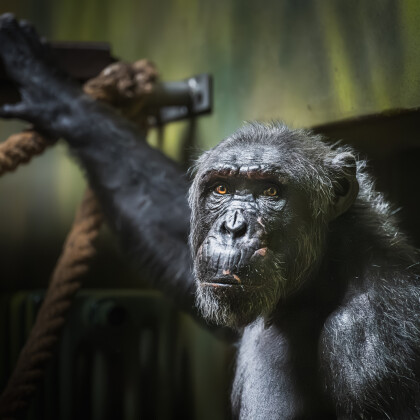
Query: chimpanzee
[292, 247]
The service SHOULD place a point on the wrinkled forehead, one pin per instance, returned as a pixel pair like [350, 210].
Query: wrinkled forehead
[280, 161]
[245, 156]
[256, 162]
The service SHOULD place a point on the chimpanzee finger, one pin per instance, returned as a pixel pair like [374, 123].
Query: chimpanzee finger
[21, 51]
[39, 44]
[8, 19]
[30, 32]
[28, 27]
[11, 37]
[9, 26]
[18, 110]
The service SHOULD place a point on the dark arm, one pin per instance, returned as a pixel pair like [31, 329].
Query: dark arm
[142, 193]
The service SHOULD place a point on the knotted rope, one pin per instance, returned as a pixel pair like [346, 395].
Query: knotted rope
[121, 84]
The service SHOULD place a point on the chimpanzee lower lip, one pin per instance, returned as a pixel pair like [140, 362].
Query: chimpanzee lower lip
[215, 284]
[227, 285]
[225, 280]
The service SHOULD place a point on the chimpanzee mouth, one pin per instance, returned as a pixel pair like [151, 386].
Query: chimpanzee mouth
[217, 283]
[225, 267]
[226, 279]
[239, 280]
[221, 257]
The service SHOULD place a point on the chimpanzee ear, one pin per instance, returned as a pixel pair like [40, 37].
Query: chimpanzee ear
[345, 183]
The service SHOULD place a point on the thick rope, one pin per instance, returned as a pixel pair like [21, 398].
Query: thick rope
[20, 148]
[65, 282]
[131, 83]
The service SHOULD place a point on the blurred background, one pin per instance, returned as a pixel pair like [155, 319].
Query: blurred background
[306, 62]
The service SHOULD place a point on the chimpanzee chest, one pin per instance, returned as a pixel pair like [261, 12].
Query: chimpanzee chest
[269, 382]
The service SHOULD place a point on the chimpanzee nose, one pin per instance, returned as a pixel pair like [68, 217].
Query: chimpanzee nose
[235, 224]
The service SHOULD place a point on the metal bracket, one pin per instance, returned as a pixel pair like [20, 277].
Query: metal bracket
[172, 101]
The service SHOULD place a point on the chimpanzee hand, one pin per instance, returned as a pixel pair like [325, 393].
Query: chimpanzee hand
[28, 62]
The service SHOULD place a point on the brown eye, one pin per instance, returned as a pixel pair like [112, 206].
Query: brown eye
[271, 192]
[221, 189]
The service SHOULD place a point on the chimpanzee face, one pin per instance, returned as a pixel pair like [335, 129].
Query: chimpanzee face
[261, 202]
[251, 218]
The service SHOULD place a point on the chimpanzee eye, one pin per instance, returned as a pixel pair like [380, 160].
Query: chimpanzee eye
[221, 189]
[271, 191]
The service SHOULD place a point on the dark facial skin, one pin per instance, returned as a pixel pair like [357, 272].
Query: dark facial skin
[242, 206]
[247, 235]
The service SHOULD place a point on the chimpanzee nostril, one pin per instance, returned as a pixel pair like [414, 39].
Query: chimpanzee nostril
[223, 228]
[239, 230]
[235, 224]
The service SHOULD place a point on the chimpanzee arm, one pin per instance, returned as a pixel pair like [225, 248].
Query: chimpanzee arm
[142, 193]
